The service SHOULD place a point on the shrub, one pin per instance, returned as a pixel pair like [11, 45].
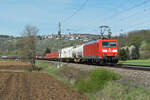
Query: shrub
[116, 91]
[123, 55]
[97, 79]
[83, 85]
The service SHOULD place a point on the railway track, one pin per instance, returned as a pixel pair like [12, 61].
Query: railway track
[135, 67]
[123, 66]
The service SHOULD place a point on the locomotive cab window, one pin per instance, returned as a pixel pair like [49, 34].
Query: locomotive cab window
[112, 44]
[109, 44]
[105, 44]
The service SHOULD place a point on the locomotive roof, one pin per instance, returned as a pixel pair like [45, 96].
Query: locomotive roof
[94, 41]
[91, 42]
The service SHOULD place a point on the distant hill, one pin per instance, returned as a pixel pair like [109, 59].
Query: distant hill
[133, 37]
[8, 43]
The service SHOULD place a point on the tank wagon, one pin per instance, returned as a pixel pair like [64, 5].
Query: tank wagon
[78, 53]
[94, 52]
[65, 54]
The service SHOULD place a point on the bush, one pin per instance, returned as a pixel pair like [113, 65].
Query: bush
[47, 51]
[123, 55]
[83, 85]
[97, 79]
[117, 91]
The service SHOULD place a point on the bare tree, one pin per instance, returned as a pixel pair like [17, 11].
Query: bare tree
[27, 45]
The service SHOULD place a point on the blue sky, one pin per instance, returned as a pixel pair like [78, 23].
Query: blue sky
[45, 14]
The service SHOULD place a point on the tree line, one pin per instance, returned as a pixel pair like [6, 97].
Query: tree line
[134, 45]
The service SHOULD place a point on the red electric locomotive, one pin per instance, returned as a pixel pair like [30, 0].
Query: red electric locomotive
[101, 51]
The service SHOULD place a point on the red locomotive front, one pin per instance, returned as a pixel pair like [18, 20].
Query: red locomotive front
[101, 51]
[108, 48]
[109, 51]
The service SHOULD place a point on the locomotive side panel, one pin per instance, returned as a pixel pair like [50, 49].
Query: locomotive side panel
[91, 51]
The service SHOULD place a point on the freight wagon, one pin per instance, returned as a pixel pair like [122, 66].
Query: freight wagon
[65, 54]
[52, 56]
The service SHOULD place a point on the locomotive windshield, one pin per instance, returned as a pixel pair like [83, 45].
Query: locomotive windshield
[109, 44]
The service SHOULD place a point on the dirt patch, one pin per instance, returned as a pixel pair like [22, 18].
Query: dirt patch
[72, 74]
[14, 65]
[34, 86]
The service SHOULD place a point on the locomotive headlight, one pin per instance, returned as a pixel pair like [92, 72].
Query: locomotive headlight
[104, 50]
[114, 50]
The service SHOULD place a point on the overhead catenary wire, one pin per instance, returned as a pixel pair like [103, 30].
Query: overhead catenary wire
[115, 14]
[140, 24]
[138, 5]
[121, 20]
[124, 11]
[81, 7]
[75, 13]
[131, 8]
[122, 3]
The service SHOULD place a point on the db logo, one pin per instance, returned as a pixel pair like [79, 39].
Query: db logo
[109, 50]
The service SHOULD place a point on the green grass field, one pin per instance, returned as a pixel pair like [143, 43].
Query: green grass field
[116, 91]
[136, 62]
[111, 90]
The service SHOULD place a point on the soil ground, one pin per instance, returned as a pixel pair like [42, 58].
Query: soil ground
[34, 86]
[14, 65]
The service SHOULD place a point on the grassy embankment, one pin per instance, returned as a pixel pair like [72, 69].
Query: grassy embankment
[99, 85]
[136, 62]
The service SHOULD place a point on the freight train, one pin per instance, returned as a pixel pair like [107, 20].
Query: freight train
[101, 51]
